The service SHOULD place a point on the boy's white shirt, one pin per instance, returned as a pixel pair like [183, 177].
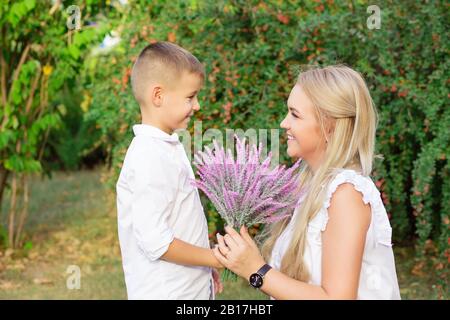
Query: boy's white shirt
[155, 203]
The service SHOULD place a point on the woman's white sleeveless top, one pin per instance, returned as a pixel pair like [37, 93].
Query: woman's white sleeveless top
[378, 278]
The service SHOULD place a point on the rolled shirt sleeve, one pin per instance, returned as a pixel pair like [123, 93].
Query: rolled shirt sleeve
[154, 184]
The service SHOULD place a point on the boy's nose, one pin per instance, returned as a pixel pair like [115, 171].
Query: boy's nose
[196, 106]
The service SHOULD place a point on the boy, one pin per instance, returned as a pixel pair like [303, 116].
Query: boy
[163, 231]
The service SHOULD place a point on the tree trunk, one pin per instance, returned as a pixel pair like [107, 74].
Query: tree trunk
[12, 211]
[24, 212]
[3, 179]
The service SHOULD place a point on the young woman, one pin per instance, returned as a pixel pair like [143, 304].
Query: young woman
[337, 244]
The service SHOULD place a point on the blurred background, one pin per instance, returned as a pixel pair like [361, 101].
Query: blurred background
[67, 110]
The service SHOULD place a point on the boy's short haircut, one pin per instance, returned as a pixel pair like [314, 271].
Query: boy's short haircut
[163, 62]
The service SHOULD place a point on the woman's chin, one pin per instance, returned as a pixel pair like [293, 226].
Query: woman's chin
[293, 152]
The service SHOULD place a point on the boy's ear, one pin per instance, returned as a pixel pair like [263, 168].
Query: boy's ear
[157, 95]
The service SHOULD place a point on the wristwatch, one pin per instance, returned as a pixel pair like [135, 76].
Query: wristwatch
[256, 279]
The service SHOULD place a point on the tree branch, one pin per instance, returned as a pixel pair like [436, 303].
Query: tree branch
[23, 57]
[14, 79]
[3, 67]
[55, 7]
[31, 96]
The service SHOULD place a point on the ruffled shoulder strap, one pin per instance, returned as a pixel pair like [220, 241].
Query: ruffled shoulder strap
[370, 195]
[362, 184]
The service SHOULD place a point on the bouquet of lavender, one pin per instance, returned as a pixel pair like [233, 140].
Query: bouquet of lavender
[245, 190]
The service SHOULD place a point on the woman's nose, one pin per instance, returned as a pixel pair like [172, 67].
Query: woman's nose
[284, 124]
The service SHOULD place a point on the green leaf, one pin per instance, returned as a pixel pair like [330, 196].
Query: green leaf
[19, 10]
[15, 122]
[20, 163]
[5, 137]
[16, 94]
[30, 4]
[28, 246]
[74, 51]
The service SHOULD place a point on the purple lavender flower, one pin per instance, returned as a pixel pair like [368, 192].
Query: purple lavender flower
[243, 189]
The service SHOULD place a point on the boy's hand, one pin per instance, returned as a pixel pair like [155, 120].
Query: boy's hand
[218, 285]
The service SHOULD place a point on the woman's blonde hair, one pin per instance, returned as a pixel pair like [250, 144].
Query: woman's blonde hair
[340, 96]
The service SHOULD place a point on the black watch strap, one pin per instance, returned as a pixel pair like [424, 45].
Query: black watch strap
[256, 279]
[263, 270]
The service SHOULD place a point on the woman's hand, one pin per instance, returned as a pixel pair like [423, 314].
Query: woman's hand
[238, 252]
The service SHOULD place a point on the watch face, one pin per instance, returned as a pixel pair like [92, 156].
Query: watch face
[256, 280]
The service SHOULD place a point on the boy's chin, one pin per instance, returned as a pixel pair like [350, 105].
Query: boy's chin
[182, 126]
[185, 123]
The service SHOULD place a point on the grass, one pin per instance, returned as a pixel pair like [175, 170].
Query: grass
[73, 222]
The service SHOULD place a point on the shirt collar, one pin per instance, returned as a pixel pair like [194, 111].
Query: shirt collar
[151, 131]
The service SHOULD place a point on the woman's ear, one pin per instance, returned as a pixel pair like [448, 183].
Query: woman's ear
[330, 124]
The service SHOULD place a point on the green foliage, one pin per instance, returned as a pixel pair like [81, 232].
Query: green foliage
[36, 65]
[38, 55]
[72, 144]
[252, 52]
[28, 246]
